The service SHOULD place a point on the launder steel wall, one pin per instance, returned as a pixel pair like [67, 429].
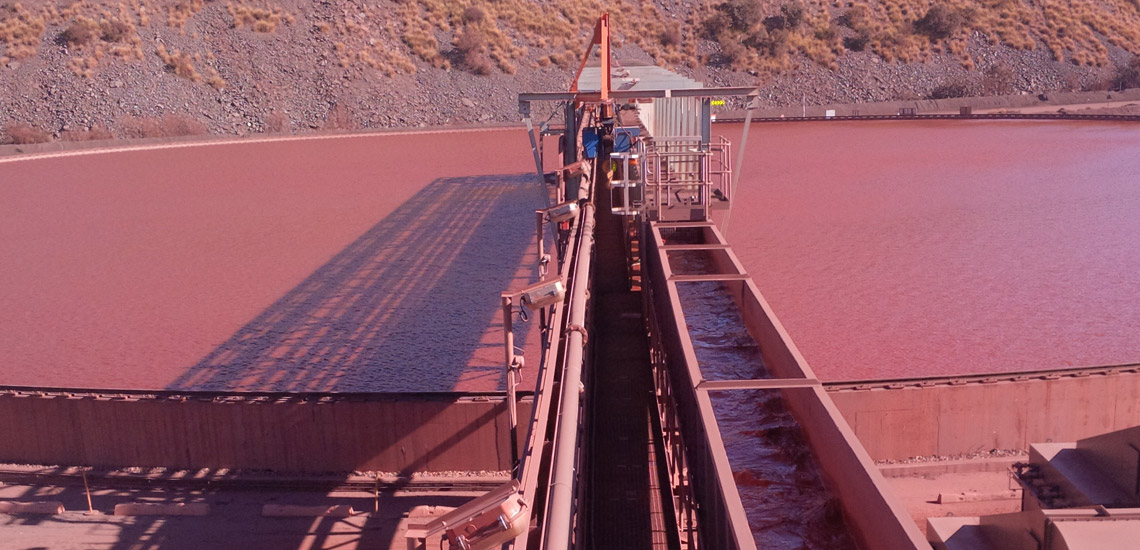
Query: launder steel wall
[379, 432]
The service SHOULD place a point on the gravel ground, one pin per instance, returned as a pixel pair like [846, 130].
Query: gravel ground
[992, 453]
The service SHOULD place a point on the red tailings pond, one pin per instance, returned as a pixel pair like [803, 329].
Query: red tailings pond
[346, 264]
[908, 249]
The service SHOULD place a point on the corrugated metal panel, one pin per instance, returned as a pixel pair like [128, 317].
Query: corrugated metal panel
[400, 433]
[638, 77]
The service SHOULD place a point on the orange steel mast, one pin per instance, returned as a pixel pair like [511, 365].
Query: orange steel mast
[601, 39]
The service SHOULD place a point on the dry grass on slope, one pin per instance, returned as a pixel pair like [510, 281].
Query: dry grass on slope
[764, 35]
[20, 31]
[368, 38]
[758, 35]
[389, 37]
[106, 33]
[167, 126]
[183, 64]
[94, 31]
[557, 32]
[22, 134]
[260, 18]
[91, 32]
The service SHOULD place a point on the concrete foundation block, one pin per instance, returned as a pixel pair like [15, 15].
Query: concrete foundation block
[48, 507]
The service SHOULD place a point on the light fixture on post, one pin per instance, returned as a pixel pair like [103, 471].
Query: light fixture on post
[561, 212]
[534, 297]
[545, 293]
[483, 523]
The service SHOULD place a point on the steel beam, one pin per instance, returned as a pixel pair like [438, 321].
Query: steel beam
[678, 247]
[767, 384]
[709, 277]
[647, 94]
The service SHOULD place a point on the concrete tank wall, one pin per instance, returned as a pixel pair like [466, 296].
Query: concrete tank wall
[382, 433]
[947, 419]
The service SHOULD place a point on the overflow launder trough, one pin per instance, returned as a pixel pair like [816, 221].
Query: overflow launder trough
[705, 401]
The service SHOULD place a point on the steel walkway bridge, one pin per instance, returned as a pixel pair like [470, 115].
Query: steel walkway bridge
[627, 445]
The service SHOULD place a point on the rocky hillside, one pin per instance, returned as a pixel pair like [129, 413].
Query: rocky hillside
[90, 69]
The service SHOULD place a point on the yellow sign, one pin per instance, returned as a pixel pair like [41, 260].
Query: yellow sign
[717, 103]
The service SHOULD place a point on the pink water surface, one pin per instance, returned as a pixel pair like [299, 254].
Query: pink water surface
[907, 249]
[352, 264]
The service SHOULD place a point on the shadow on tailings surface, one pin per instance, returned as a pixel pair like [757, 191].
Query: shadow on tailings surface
[411, 306]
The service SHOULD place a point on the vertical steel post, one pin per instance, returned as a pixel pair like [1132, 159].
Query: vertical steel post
[512, 411]
[706, 123]
[542, 267]
[524, 110]
[752, 100]
[539, 222]
[570, 150]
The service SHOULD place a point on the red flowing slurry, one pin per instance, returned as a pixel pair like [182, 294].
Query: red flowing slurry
[906, 249]
[325, 264]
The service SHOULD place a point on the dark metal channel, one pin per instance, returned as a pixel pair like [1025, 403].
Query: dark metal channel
[625, 461]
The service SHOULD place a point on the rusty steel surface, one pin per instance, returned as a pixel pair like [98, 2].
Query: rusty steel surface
[344, 264]
[776, 384]
[387, 433]
[940, 248]
[162, 478]
[929, 381]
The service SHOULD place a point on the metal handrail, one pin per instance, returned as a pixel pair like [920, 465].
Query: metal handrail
[681, 489]
[722, 521]
[667, 171]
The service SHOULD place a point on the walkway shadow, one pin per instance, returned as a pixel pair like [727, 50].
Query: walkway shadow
[412, 305]
[235, 521]
[404, 308]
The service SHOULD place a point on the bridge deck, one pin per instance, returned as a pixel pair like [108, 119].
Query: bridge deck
[626, 468]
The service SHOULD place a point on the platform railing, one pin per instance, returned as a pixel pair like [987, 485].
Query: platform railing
[672, 435]
[684, 171]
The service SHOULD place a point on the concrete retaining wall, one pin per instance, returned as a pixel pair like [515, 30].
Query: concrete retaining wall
[949, 420]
